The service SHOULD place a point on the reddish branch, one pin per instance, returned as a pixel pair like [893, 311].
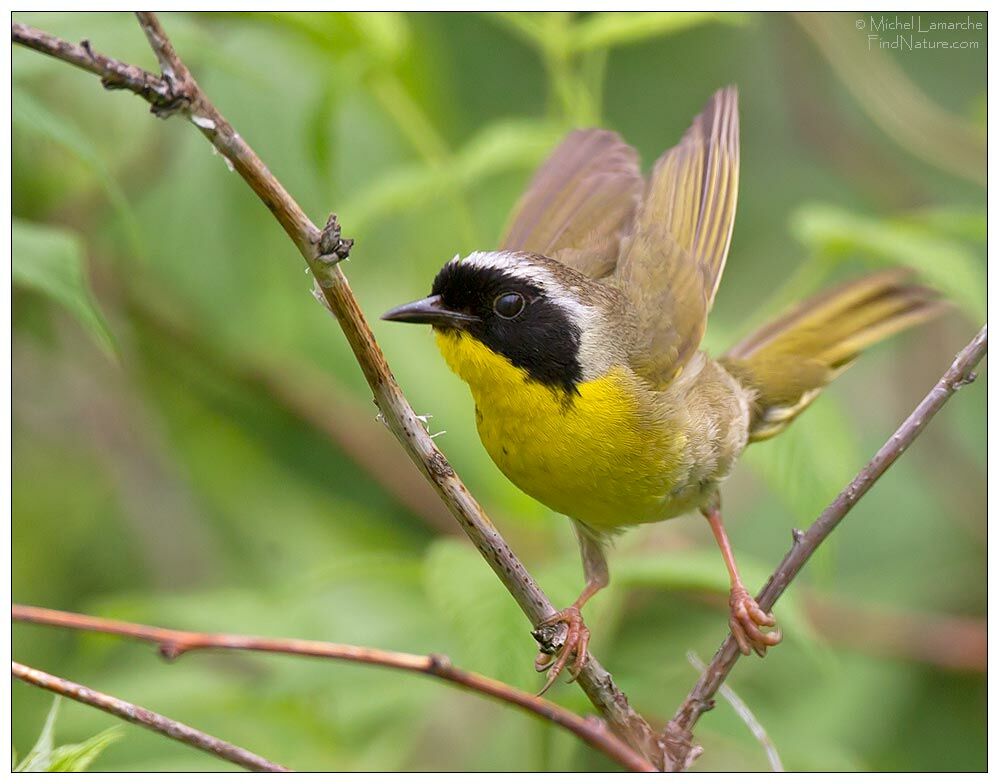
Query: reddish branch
[173, 643]
[146, 718]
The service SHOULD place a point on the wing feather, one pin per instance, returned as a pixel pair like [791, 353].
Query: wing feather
[579, 203]
[672, 261]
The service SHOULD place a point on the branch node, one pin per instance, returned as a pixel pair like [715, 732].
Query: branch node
[797, 535]
[677, 748]
[110, 83]
[551, 638]
[968, 378]
[440, 467]
[174, 102]
[332, 246]
[438, 663]
[171, 650]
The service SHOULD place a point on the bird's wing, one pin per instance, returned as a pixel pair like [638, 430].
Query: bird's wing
[580, 202]
[672, 260]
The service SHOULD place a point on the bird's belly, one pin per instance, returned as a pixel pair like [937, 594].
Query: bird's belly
[595, 456]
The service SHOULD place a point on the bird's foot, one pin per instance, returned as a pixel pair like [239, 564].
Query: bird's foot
[745, 620]
[555, 652]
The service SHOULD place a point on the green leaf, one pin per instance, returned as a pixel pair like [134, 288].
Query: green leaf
[50, 261]
[950, 266]
[615, 28]
[76, 757]
[38, 758]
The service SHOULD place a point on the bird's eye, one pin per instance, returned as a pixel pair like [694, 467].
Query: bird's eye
[508, 305]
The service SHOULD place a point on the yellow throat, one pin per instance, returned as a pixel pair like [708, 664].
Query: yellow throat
[599, 456]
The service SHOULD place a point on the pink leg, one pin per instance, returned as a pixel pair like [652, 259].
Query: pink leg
[578, 636]
[745, 615]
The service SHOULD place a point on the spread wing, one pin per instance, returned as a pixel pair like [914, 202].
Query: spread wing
[672, 260]
[580, 202]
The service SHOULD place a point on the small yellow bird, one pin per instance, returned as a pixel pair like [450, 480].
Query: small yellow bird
[579, 340]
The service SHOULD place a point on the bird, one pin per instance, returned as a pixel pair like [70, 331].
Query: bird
[579, 338]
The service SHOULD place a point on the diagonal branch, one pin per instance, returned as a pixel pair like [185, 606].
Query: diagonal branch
[322, 250]
[173, 643]
[146, 718]
[959, 374]
[172, 67]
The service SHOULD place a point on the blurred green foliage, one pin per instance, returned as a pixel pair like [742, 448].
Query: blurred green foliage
[219, 468]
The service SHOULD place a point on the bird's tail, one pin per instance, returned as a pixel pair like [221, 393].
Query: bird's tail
[790, 360]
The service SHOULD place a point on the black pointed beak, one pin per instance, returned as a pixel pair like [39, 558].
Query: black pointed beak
[428, 311]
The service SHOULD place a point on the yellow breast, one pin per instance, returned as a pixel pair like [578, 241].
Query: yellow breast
[601, 456]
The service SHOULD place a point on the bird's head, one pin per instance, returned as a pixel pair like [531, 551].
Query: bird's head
[539, 315]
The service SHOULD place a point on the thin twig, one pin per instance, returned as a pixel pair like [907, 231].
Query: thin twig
[173, 68]
[960, 373]
[146, 718]
[334, 291]
[744, 713]
[173, 643]
[114, 75]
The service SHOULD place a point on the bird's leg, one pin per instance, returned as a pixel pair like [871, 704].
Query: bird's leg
[745, 615]
[577, 636]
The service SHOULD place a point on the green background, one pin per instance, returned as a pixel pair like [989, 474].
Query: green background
[194, 445]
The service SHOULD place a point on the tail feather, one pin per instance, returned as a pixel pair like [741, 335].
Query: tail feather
[790, 360]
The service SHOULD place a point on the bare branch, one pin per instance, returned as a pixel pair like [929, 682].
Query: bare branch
[114, 75]
[173, 643]
[744, 713]
[173, 68]
[146, 718]
[186, 97]
[960, 373]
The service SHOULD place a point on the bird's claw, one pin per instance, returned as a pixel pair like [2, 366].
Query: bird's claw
[574, 647]
[745, 619]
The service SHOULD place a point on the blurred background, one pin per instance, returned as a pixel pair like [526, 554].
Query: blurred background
[195, 447]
